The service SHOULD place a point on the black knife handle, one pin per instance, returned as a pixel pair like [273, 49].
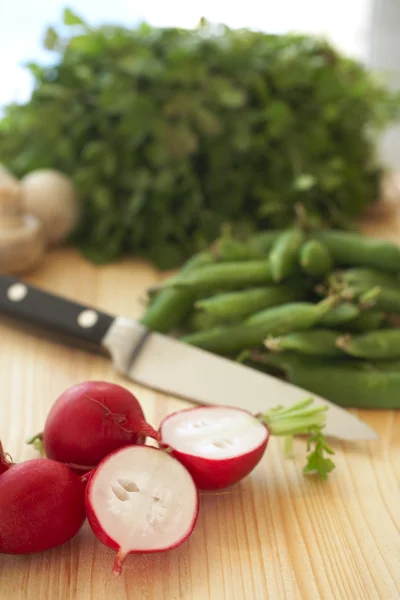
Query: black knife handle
[25, 302]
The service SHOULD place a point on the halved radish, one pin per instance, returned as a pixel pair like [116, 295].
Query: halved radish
[141, 500]
[218, 445]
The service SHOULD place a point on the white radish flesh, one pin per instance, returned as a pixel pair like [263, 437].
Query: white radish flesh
[218, 445]
[141, 500]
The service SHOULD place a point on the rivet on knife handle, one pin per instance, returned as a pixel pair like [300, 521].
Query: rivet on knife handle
[27, 303]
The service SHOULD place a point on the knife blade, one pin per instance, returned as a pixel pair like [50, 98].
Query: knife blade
[164, 363]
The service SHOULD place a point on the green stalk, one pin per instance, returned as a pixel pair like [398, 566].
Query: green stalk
[298, 419]
[302, 418]
[37, 442]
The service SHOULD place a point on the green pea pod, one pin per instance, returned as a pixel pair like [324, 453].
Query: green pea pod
[171, 306]
[374, 344]
[368, 277]
[315, 258]
[351, 383]
[252, 332]
[284, 254]
[316, 342]
[222, 276]
[385, 299]
[367, 320]
[357, 250]
[228, 249]
[262, 242]
[235, 306]
[199, 321]
[343, 313]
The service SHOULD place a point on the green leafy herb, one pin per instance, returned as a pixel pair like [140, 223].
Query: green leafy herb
[316, 461]
[299, 419]
[171, 133]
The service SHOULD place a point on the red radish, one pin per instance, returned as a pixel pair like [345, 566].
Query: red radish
[5, 460]
[140, 500]
[90, 420]
[42, 505]
[218, 445]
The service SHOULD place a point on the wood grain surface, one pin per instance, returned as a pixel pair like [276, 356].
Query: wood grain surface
[276, 535]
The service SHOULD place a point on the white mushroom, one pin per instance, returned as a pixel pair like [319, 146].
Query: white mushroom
[21, 238]
[51, 196]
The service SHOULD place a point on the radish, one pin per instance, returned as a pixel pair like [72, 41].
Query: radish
[42, 505]
[221, 445]
[5, 460]
[140, 500]
[218, 445]
[90, 420]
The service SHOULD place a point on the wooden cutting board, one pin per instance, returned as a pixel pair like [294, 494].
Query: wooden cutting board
[277, 535]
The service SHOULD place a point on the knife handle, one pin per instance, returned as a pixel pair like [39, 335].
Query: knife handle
[34, 306]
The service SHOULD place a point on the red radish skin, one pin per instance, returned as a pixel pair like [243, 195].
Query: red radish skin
[140, 500]
[5, 460]
[42, 505]
[90, 420]
[219, 446]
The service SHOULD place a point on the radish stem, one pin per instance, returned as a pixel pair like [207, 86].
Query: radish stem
[299, 419]
[37, 442]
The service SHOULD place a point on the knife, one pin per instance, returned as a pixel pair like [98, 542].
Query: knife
[163, 363]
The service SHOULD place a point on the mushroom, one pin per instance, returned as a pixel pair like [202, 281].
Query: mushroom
[22, 242]
[51, 196]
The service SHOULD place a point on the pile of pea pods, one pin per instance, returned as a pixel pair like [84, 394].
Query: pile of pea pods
[317, 308]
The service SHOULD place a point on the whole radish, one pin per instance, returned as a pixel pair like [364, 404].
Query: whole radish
[221, 445]
[5, 460]
[90, 420]
[42, 505]
[140, 500]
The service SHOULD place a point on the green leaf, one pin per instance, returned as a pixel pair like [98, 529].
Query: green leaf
[232, 97]
[304, 183]
[70, 18]
[316, 461]
[89, 44]
[36, 70]
[52, 90]
[50, 39]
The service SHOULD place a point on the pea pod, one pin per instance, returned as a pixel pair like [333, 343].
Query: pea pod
[316, 342]
[252, 332]
[374, 344]
[343, 313]
[198, 321]
[219, 276]
[357, 250]
[351, 383]
[315, 258]
[228, 249]
[368, 277]
[367, 320]
[235, 306]
[171, 305]
[262, 242]
[386, 299]
[284, 254]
